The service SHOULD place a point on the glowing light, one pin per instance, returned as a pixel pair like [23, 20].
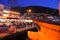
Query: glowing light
[5, 15]
[6, 11]
[29, 10]
[28, 20]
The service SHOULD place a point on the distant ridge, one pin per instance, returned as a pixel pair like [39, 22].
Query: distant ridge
[37, 9]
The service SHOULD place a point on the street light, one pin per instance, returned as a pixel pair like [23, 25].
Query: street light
[29, 10]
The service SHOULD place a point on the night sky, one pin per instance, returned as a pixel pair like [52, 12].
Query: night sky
[24, 3]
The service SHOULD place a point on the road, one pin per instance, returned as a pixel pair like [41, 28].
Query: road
[18, 30]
